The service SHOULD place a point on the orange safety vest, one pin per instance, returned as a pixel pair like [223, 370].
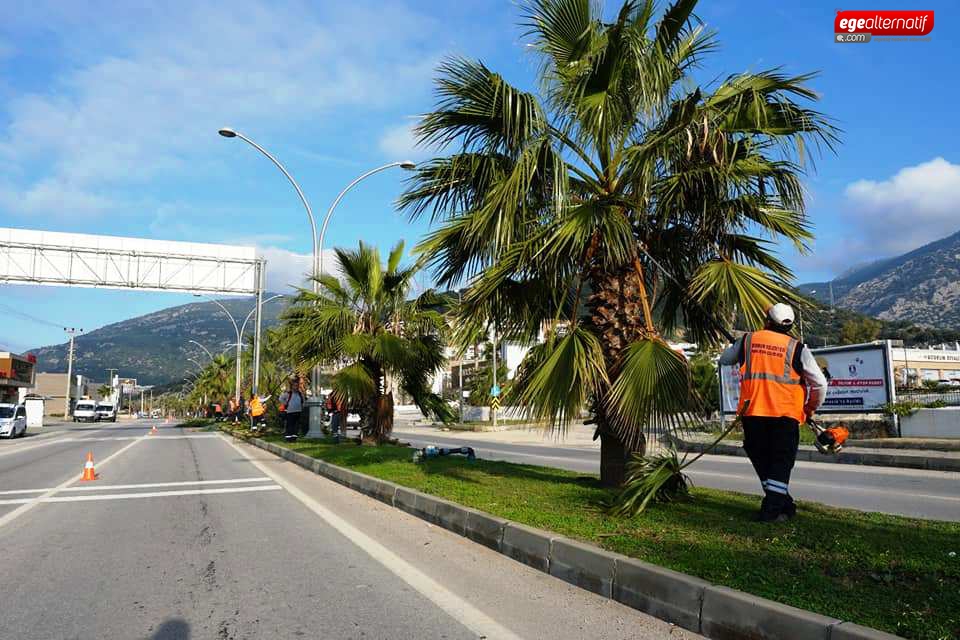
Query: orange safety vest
[768, 379]
[256, 407]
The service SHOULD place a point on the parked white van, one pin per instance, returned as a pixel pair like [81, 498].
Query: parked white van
[85, 411]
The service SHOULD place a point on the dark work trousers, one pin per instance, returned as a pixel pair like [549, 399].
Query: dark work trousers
[771, 444]
[291, 424]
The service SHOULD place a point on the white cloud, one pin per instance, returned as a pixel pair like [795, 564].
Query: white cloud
[148, 107]
[286, 269]
[917, 205]
[400, 143]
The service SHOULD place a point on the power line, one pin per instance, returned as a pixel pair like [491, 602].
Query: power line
[26, 316]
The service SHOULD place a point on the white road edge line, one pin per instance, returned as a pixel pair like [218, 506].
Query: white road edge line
[147, 485]
[22, 509]
[458, 608]
[144, 494]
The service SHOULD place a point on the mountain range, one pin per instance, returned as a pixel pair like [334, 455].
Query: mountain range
[155, 348]
[921, 286]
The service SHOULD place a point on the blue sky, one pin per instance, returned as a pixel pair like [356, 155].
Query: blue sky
[109, 113]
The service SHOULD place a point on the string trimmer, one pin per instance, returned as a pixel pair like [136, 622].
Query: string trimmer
[828, 441]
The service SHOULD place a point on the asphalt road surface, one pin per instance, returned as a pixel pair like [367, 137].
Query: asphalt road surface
[188, 535]
[924, 494]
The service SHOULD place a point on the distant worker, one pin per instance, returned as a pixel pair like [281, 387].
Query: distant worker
[781, 387]
[291, 404]
[258, 411]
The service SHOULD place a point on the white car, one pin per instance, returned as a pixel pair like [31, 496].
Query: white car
[13, 420]
[85, 411]
[106, 411]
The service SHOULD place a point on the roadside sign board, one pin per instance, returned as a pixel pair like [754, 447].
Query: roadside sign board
[495, 391]
[860, 378]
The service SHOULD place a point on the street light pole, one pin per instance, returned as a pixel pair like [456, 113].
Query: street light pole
[314, 402]
[236, 328]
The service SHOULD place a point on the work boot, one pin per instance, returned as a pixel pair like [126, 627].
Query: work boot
[790, 509]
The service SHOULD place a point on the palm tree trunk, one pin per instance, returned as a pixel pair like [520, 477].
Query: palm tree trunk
[619, 316]
[384, 417]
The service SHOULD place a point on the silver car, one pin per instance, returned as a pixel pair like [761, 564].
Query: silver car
[13, 420]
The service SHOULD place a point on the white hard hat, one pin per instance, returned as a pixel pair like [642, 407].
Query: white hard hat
[781, 314]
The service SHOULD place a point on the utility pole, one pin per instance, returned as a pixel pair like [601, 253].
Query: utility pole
[114, 396]
[831, 294]
[71, 331]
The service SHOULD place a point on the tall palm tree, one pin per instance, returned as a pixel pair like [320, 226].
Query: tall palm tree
[378, 337]
[567, 208]
[104, 391]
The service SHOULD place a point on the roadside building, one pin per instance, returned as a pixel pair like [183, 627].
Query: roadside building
[16, 376]
[52, 387]
[912, 366]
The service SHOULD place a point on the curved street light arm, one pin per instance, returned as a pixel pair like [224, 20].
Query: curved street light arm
[326, 219]
[243, 325]
[303, 199]
[207, 351]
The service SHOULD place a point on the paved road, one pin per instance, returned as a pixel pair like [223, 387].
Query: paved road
[187, 535]
[923, 494]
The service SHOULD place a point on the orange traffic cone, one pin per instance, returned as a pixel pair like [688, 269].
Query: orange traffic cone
[153, 431]
[88, 472]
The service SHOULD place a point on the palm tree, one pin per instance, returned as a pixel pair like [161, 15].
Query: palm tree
[568, 208]
[104, 391]
[217, 380]
[378, 338]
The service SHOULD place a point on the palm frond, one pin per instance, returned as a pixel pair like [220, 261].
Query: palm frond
[556, 378]
[651, 396]
[740, 286]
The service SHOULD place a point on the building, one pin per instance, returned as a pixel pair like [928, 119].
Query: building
[16, 376]
[52, 387]
[913, 366]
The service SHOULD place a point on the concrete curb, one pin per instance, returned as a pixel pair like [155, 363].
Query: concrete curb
[847, 456]
[712, 610]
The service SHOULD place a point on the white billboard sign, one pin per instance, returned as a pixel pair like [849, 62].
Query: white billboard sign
[860, 379]
[77, 259]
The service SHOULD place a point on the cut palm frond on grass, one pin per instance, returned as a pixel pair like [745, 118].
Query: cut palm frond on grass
[658, 478]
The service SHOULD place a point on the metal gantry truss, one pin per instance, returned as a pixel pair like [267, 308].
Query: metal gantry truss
[46, 264]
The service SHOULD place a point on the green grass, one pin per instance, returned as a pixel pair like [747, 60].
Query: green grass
[882, 571]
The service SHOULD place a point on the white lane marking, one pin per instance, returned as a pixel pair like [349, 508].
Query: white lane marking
[458, 608]
[148, 436]
[19, 511]
[144, 494]
[828, 485]
[147, 485]
[57, 439]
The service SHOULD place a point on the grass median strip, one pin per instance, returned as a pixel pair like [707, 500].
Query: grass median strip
[887, 572]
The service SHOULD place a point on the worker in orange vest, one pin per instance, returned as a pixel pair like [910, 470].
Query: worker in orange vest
[781, 386]
[258, 410]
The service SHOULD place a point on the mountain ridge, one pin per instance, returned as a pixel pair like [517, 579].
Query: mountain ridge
[154, 348]
[921, 286]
